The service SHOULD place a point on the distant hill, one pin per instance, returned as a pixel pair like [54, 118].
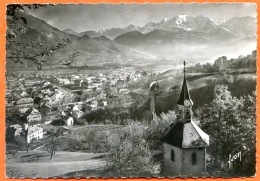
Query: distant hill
[71, 32]
[92, 51]
[185, 44]
[89, 33]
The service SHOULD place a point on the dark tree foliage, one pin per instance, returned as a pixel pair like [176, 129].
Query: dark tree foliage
[231, 124]
[129, 156]
[53, 141]
[10, 138]
[12, 8]
[223, 64]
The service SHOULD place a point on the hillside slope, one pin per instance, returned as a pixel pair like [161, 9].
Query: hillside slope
[41, 36]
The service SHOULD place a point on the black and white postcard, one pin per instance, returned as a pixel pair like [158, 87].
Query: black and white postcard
[131, 90]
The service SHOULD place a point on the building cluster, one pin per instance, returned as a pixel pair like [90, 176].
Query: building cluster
[30, 101]
[34, 100]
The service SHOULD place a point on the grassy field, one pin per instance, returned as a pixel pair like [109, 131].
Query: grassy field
[72, 156]
[37, 164]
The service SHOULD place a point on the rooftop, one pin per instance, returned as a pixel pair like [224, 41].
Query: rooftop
[186, 135]
[33, 129]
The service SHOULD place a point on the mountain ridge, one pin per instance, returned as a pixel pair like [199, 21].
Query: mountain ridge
[199, 23]
[177, 38]
[92, 51]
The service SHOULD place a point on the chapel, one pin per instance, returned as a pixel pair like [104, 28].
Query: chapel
[184, 143]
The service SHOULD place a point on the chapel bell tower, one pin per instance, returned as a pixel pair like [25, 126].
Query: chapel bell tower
[184, 143]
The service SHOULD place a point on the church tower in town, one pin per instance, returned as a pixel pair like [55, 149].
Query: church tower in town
[184, 142]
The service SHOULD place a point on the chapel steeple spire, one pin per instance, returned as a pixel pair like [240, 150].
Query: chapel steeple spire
[184, 103]
[184, 98]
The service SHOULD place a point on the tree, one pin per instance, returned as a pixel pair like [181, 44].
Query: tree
[89, 138]
[230, 122]
[52, 144]
[156, 129]
[98, 140]
[9, 135]
[129, 157]
[220, 63]
[11, 146]
[21, 143]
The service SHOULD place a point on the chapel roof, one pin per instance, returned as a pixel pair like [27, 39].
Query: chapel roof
[186, 135]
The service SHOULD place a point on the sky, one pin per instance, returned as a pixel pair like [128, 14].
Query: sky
[85, 17]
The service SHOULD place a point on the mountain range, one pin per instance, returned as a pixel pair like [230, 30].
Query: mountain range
[241, 26]
[169, 39]
[185, 36]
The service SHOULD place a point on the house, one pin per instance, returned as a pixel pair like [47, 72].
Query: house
[124, 91]
[33, 132]
[8, 108]
[58, 96]
[8, 94]
[104, 103]
[45, 84]
[24, 102]
[33, 116]
[22, 111]
[77, 107]
[24, 94]
[30, 83]
[120, 83]
[21, 87]
[68, 120]
[77, 114]
[184, 143]
[94, 104]
[46, 92]
[66, 81]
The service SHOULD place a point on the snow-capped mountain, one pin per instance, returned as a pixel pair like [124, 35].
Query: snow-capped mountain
[185, 35]
[239, 26]
[183, 22]
[198, 35]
